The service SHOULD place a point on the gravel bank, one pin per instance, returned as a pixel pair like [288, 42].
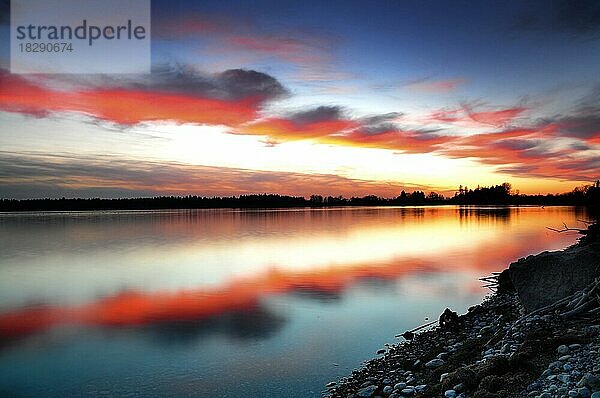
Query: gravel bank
[488, 355]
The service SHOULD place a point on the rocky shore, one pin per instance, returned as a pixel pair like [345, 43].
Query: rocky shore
[510, 345]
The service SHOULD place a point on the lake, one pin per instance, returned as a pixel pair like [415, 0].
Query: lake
[234, 303]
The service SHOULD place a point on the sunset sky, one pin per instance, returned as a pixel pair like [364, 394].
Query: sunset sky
[329, 97]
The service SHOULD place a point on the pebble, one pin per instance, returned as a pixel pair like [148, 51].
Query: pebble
[367, 392]
[555, 365]
[366, 383]
[434, 363]
[574, 372]
[567, 367]
[421, 388]
[591, 381]
[546, 373]
[563, 377]
[584, 392]
[563, 349]
[400, 386]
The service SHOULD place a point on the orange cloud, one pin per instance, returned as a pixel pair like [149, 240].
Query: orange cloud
[406, 141]
[328, 125]
[288, 130]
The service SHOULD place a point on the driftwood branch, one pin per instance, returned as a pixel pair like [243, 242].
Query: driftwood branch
[566, 229]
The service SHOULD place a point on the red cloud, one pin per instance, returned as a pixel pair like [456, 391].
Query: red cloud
[124, 106]
[497, 117]
[232, 34]
[288, 49]
[436, 86]
[467, 117]
[406, 141]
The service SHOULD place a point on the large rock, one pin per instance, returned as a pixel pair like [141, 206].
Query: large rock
[542, 279]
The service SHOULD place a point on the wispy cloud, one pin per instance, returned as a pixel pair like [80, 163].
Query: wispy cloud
[39, 175]
[468, 115]
[435, 86]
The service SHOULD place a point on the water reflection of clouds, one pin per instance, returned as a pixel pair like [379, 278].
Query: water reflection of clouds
[135, 308]
[322, 254]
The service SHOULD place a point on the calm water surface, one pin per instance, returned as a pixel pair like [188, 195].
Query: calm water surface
[227, 303]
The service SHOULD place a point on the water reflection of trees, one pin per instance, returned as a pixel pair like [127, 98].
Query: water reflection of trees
[496, 214]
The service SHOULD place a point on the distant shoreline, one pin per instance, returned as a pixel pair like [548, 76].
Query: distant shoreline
[493, 196]
[60, 208]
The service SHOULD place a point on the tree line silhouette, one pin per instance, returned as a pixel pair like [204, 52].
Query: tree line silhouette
[587, 195]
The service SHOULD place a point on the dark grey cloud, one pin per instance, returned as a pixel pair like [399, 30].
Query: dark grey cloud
[583, 120]
[383, 118]
[377, 124]
[232, 84]
[587, 169]
[322, 113]
[580, 126]
[517, 144]
[249, 83]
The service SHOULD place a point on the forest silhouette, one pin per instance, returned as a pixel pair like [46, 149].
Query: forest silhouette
[587, 195]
